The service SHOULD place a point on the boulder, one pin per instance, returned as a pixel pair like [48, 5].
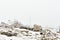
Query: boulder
[37, 27]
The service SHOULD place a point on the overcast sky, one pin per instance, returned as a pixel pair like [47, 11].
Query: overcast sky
[43, 12]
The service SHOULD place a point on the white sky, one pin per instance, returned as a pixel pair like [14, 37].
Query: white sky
[43, 12]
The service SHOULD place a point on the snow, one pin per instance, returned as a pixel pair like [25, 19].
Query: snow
[25, 34]
[20, 36]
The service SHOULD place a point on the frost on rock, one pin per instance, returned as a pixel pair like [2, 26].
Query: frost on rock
[18, 31]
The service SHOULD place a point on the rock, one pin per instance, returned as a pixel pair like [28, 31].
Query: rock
[9, 34]
[37, 27]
